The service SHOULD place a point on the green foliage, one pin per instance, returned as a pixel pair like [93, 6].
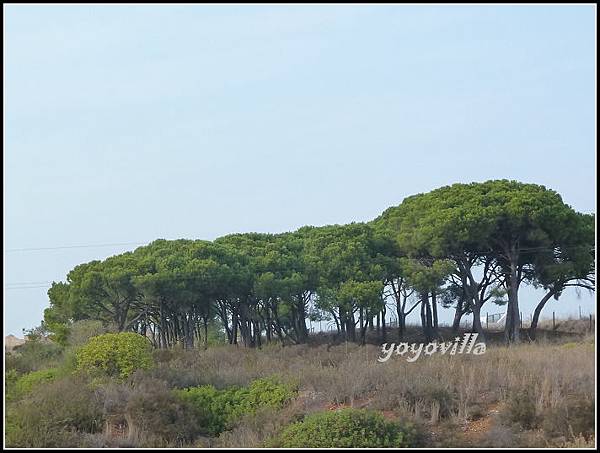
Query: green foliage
[28, 382]
[216, 334]
[57, 316]
[477, 217]
[268, 392]
[347, 428]
[223, 407]
[115, 354]
[524, 232]
[428, 277]
[365, 294]
[10, 380]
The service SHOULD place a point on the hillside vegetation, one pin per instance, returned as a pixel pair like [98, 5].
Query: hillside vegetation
[535, 394]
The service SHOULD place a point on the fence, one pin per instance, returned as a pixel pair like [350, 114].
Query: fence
[495, 321]
[489, 321]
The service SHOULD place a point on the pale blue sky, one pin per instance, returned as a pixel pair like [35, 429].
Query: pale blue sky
[131, 123]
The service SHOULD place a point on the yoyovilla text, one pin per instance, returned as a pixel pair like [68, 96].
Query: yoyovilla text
[464, 345]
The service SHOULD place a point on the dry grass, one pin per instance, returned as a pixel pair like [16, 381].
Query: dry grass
[532, 395]
[539, 380]
[570, 325]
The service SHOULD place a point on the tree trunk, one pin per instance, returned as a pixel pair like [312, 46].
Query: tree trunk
[458, 314]
[537, 312]
[351, 327]
[205, 321]
[163, 327]
[401, 325]
[426, 317]
[234, 327]
[383, 329]
[511, 329]
[434, 311]
[471, 288]
[477, 327]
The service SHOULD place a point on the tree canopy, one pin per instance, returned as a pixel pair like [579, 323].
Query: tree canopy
[462, 245]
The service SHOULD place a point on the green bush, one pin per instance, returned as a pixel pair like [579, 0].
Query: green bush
[223, 407]
[115, 354]
[26, 383]
[347, 428]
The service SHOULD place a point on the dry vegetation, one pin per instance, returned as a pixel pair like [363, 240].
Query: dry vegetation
[543, 392]
[532, 395]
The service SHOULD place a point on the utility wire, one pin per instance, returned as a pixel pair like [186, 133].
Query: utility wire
[27, 287]
[29, 283]
[34, 249]
[40, 284]
[116, 244]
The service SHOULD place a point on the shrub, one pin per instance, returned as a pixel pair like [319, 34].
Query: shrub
[26, 383]
[33, 355]
[579, 442]
[54, 415]
[572, 418]
[269, 393]
[10, 380]
[212, 400]
[254, 430]
[347, 428]
[225, 406]
[160, 417]
[521, 409]
[115, 354]
[80, 332]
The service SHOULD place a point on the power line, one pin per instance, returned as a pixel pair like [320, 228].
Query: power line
[29, 283]
[34, 249]
[46, 284]
[116, 244]
[27, 287]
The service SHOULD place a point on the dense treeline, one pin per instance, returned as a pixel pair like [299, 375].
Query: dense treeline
[463, 246]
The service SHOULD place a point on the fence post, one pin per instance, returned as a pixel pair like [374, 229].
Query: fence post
[553, 321]
[580, 312]
[487, 321]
